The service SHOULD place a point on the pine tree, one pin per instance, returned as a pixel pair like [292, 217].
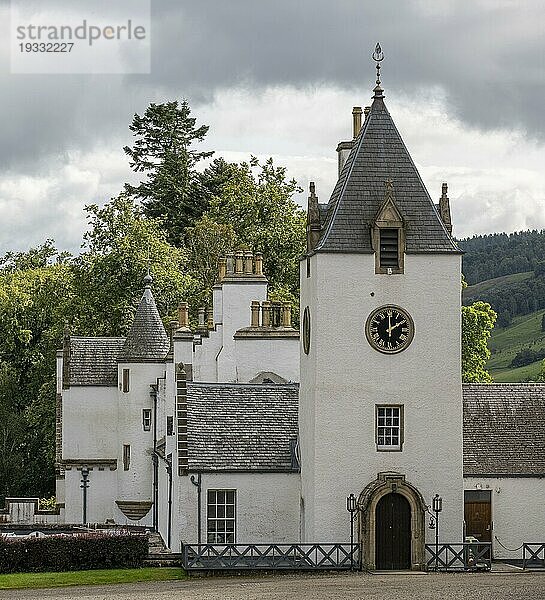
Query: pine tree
[163, 150]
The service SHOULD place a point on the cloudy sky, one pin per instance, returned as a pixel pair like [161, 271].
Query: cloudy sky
[464, 82]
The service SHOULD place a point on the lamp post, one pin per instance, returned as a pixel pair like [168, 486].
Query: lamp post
[351, 507]
[84, 485]
[437, 506]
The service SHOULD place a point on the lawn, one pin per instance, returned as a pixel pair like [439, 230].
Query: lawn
[103, 576]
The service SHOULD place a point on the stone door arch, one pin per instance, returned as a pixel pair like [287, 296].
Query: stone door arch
[387, 483]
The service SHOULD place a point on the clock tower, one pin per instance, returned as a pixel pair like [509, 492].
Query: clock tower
[381, 398]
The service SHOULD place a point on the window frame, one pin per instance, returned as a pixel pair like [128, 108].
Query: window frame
[125, 380]
[400, 427]
[126, 457]
[170, 425]
[213, 535]
[146, 419]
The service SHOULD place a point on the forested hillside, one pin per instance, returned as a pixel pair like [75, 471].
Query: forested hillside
[497, 254]
[506, 270]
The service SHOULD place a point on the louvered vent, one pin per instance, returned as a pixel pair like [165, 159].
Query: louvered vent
[389, 248]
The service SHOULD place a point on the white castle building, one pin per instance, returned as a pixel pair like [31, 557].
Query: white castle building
[240, 432]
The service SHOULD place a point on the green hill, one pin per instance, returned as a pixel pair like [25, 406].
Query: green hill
[524, 332]
[491, 285]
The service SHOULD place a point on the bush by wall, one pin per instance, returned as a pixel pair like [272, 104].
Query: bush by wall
[72, 552]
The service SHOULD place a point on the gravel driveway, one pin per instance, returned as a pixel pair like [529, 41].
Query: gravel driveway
[408, 586]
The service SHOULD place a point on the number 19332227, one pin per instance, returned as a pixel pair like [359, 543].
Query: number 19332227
[46, 46]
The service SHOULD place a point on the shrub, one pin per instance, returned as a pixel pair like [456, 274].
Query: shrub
[72, 552]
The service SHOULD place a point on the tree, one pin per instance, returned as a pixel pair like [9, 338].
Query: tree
[32, 302]
[206, 242]
[265, 218]
[477, 323]
[163, 151]
[543, 322]
[120, 246]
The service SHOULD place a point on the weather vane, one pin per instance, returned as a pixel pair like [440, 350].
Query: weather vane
[378, 56]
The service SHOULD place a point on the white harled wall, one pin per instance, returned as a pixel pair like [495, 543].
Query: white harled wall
[267, 507]
[343, 379]
[136, 483]
[237, 296]
[278, 355]
[515, 516]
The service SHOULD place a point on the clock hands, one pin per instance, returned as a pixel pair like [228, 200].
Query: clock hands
[392, 327]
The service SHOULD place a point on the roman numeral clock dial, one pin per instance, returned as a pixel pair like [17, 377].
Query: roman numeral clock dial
[389, 329]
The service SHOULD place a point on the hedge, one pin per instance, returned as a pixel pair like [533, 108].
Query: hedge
[72, 552]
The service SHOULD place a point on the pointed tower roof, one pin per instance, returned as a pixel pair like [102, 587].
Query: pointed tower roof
[377, 156]
[147, 340]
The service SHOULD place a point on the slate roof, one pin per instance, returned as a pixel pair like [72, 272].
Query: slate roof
[504, 429]
[147, 340]
[379, 154]
[93, 361]
[241, 427]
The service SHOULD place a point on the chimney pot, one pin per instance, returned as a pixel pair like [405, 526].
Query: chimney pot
[259, 264]
[239, 256]
[183, 315]
[222, 268]
[248, 263]
[356, 120]
[255, 313]
[230, 263]
[266, 313]
[286, 314]
[201, 317]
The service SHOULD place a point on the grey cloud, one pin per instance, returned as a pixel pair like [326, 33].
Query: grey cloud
[488, 57]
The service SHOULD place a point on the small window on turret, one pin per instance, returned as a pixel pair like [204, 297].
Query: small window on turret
[126, 457]
[125, 380]
[146, 419]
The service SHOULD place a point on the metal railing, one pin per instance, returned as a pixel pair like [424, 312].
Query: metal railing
[533, 555]
[459, 557]
[304, 557]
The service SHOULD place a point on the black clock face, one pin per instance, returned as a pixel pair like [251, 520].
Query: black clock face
[389, 329]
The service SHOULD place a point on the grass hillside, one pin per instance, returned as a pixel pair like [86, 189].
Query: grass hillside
[488, 285]
[505, 342]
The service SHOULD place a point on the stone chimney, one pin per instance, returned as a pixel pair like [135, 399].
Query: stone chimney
[444, 208]
[343, 148]
[183, 315]
[313, 219]
[356, 120]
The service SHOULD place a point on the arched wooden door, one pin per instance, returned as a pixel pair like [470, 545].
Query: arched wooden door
[393, 533]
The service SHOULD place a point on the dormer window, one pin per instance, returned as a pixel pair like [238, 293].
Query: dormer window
[388, 236]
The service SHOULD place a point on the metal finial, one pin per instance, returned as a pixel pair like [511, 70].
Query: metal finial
[389, 186]
[378, 56]
[148, 279]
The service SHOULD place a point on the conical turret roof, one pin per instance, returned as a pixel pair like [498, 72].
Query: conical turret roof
[147, 340]
[379, 155]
